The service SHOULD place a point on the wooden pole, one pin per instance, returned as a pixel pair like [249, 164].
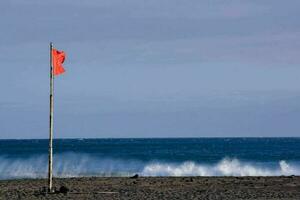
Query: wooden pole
[51, 122]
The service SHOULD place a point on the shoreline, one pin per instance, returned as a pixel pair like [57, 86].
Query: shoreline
[193, 187]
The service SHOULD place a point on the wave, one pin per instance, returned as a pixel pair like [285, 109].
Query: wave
[76, 165]
[66, 165]
[226, 167]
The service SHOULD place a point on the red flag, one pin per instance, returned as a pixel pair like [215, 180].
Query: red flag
[58, 58]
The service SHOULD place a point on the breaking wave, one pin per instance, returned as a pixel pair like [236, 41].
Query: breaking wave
[76, 165]
[226, 167]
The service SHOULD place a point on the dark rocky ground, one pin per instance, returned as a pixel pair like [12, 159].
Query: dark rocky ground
[225, 188]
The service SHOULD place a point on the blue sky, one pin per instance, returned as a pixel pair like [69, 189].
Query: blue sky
[167, 68]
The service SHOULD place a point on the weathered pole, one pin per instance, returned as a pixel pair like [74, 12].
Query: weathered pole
[51, 122]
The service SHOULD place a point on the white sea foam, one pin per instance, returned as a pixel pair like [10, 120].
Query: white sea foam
[226, 167]
[73, 165]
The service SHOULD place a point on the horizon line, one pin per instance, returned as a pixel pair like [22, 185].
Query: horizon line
[202, 137]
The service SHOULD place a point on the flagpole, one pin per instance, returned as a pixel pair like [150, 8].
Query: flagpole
[51, 122]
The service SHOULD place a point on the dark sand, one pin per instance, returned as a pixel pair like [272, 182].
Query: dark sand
[158, 188]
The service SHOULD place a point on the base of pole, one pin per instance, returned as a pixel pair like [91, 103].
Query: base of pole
[54, 190]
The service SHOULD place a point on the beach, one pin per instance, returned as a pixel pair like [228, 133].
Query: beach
[228, 188]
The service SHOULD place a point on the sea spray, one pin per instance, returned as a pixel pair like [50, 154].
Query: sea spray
[76, 165]
[33, 167]
[151, 157]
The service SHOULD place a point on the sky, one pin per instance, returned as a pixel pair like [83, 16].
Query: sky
[160, 68]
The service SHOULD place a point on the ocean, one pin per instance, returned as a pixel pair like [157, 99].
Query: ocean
[151, 157]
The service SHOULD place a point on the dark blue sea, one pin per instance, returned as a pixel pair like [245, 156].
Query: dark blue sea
[152, 157]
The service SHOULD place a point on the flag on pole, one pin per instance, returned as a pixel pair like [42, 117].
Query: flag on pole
[58, 58]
